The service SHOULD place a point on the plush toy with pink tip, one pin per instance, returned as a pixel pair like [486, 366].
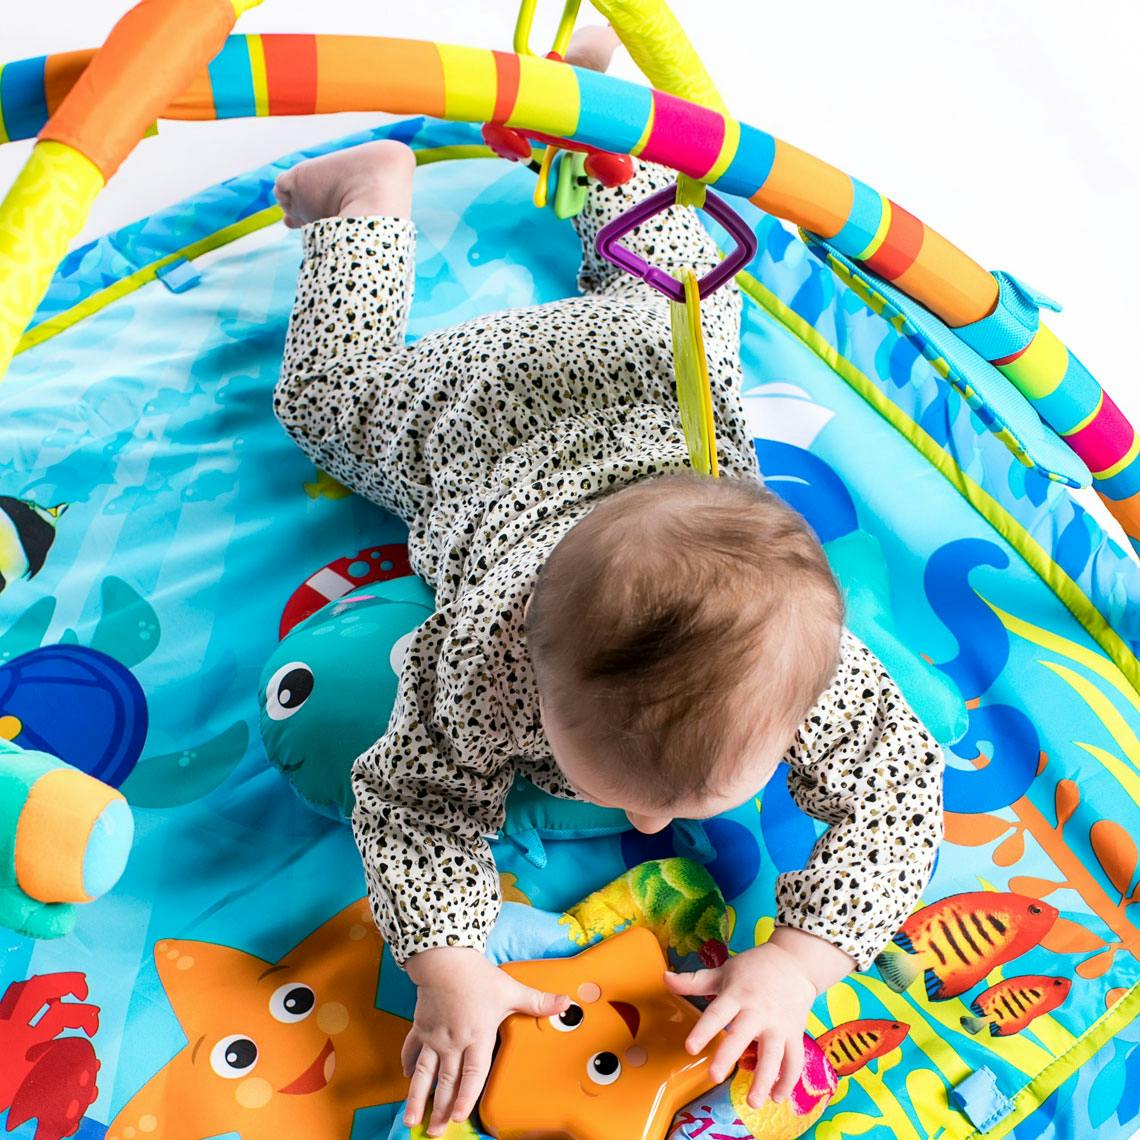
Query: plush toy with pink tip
[726, 1107]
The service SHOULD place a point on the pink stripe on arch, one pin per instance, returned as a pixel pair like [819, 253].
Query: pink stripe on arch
[686, 137]
[1106, 440]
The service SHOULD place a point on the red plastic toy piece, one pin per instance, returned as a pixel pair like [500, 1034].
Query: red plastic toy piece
[609, 169]
[506, 142]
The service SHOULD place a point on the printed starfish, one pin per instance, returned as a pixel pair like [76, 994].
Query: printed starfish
[288, 1048]
[613, 1065]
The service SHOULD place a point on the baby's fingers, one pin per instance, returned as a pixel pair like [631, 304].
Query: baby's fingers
[769, 1054]
[525, 999]
[711, 1022]
[472, 1074]
[410, 1052]
[420, 1087]
[790, 1070]
[699, 983]
[446, 1086]
[739, 1037]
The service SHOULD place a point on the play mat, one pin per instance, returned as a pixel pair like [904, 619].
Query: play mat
[165, 549]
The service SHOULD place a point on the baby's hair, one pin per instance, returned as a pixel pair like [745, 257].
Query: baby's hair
[681, 621]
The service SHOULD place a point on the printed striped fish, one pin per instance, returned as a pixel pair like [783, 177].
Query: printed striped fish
[1011, 1005]
[26, 534]
[853, 1044]
[955, 943]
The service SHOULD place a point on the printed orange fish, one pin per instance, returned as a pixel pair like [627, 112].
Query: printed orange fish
[955, 943]
[853, 1044]
[1011, 1005]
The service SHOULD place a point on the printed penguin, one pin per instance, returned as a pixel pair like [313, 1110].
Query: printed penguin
[27, 532]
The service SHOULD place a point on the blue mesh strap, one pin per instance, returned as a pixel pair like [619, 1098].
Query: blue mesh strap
[1012, 324]
[1000, 407]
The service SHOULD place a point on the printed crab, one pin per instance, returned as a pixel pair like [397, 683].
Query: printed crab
[42, 1075]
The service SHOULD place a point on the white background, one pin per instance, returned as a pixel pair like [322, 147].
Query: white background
[1009, 125]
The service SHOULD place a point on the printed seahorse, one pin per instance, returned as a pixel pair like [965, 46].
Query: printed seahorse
[982, 640]
[983, 653]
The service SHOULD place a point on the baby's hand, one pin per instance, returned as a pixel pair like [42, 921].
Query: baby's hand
[462, 998]
[762, 995]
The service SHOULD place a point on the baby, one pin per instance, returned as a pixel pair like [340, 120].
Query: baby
[611, 625]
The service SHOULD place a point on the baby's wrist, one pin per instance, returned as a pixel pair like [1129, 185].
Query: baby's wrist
[821, 963]
[429, 967]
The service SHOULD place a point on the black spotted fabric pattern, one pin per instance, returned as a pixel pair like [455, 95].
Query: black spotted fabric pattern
[491, 439]
[865, 764]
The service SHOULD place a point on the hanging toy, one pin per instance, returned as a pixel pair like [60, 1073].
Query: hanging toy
[572, 176]
[570, 184]
[690, 363]
[562, 178]
[691, 372]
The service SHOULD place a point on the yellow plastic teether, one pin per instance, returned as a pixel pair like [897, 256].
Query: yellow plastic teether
[691, 370]
[540, 187]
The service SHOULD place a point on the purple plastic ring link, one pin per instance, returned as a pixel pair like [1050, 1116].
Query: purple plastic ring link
[609, 246]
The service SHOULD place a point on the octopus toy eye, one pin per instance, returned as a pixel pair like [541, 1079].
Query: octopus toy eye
[603, 1068]
[233, 1057]
[568, 1020]
[292, 1002]
[288, 689]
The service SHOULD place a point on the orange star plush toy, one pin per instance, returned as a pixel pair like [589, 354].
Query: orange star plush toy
[613, 1064]
[281, 1049]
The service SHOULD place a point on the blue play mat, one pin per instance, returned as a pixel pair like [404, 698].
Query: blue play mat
[190, 521]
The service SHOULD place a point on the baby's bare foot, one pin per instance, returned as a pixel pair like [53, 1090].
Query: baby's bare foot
[361, 182]
[592, 47]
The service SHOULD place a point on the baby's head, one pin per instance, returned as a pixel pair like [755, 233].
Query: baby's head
[680, 633]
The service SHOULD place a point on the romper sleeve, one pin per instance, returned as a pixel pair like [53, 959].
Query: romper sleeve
[863, 763]
[428, 795]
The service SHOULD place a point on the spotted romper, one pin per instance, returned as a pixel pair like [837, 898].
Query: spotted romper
[491, 439]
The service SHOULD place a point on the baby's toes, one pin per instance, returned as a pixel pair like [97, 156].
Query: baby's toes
[283, 191]
[284, 196]
[304, 191]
